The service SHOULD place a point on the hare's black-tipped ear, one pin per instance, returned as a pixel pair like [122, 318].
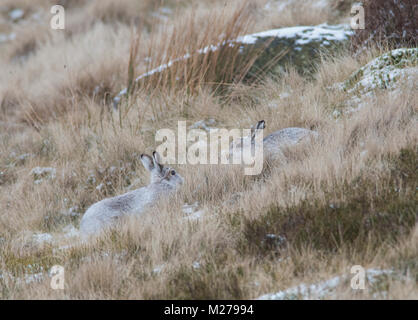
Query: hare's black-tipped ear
[157, 160]
[261, 124]
[147, 161]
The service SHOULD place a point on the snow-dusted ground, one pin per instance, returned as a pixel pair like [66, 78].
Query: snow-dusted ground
[304, 34]
[323, 289]
[40, 173]
[7, 37]
[384, 72]
[389, 71]
[16, 14]
[28, 278]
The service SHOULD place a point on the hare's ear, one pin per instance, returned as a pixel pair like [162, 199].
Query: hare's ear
[259, 126]
[147, 161]
[157, 161]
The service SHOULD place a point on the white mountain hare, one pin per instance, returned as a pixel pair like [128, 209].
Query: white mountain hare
[104, 213]
[274, 143]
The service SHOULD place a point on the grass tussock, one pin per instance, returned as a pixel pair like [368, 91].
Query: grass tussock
[198, 51]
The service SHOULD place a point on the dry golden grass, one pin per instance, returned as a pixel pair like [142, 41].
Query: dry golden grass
[347, 199]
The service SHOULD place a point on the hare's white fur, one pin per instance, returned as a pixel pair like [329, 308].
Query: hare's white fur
[274, 143]
[105, 213]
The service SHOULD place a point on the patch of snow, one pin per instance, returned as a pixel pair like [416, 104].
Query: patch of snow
[35, 277]
[7, 37]
[304, 291]
[276, 239]
[158, 269]
[305, 33]
[27, 278]
[211, 48]
[16, 14]
[336, 114]
[321, 289]
[40, 173]
[100, 187]
[41, 238]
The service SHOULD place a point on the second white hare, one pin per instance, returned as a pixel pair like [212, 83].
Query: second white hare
[106, 212]
[274, 142]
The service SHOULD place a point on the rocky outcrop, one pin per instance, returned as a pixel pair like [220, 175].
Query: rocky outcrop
[384, 72]
[275, 49]
[295, 46]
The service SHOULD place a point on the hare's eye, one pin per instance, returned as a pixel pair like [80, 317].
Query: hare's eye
[173, 172]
